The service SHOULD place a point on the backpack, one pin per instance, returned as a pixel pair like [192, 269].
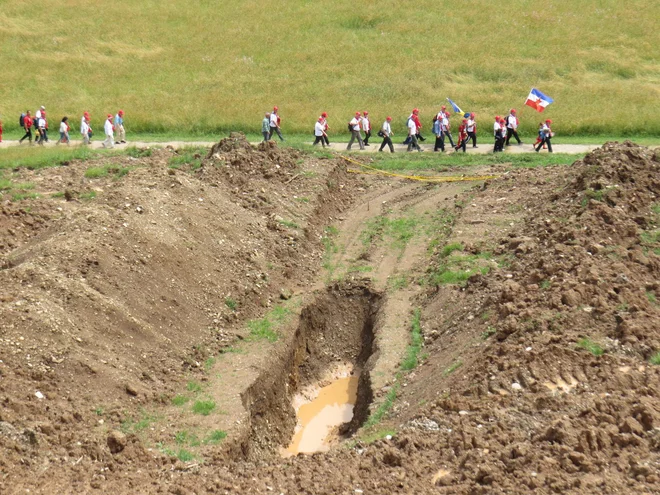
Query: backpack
[21, 120]
[350, 127]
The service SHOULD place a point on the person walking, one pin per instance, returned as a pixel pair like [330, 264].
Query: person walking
[319, 132]
[366, 127]
[265, 127]
[446, 125]
[439, 134]
[64, 131]
[27, 126]
[497, 134]
[546, 134]
[354, 126]
[41, 129]
[512, 127]
[109, 131]
[386, 133]
[412, 134]
[462, 136]
[85, 129]
[119, 127]
[324, 116]
[472, 130]
[275, 124]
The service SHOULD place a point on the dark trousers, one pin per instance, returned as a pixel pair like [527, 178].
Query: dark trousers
[326, 140]
[461, 144]
[512, 132]
[367, 135]
[499, 144]
[439, 143]
[451, 141]
[28, 134]
[413, 144]
[46, 135]
[266, 135]
[546, 140]
[355, 135]
[274, 130]
[387, 141]
[319, 139]
[42, 136]
[473, 137]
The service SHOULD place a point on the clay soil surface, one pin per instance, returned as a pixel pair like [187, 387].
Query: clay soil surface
[157, 322]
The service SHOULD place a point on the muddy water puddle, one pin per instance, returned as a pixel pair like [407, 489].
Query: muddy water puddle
[319, 417]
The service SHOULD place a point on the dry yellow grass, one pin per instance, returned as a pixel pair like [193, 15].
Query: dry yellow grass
[201, 66]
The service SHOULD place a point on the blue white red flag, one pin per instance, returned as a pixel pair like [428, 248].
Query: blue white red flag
[538, 100]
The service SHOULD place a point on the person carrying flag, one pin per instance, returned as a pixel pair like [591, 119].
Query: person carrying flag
[354, 126]
[386, 133]
[462, 136]
[366, 127]
[546, 134]
[512, 127]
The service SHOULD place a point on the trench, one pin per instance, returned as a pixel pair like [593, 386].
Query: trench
[335, 332]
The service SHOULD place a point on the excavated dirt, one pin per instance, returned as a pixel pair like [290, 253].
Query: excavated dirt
[537, 374]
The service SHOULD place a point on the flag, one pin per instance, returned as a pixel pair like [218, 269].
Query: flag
[455, 107]
[537, 100]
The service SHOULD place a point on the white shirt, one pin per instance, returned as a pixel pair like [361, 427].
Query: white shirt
[84, 128]
[273, 120]
[496, 128]
[546, 130]
[41, 123]
[412, 127]
[37, 115]
[355, 124]
[365, 124]
[107, 128]
[470, 125]
[386, 129]
[318, 129]
[512, 121]
[62, 126]
[445, 122]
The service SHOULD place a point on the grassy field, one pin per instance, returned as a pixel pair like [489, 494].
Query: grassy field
[200, 67]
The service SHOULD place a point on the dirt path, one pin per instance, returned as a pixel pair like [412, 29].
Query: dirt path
[485, 147]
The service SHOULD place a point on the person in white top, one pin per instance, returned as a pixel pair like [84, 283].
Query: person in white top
[546, 134]
[319, 132]
[512, 127]
[354, 126]
[275, 124]
[366, 127]
[386, 133]
[85, 129]
[64, 131]
[109, 130]
[446, 126]
[412, 135]
[472, 130]
[324, 118]
[497, 134]
[37, 115]
[41, 127]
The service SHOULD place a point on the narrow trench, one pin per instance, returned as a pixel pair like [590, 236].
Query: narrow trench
[335, 331]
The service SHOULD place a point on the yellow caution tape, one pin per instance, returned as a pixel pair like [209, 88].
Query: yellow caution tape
[368, 170]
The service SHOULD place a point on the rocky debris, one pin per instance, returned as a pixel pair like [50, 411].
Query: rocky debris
[116, 441]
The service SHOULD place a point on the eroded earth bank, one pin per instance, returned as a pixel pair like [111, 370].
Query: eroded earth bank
[159, 317]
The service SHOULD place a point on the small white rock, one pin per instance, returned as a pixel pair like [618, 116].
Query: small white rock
[388, 437]
[528, 349]
[39, 395]
[463, 413]
[516, 386]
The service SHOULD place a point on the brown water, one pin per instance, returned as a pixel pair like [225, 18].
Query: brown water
[319, 418]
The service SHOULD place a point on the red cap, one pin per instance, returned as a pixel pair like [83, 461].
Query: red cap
[120, 112]
[109, 116]
[497, 117]
[465, 121]
[444, 107]
[548, 121]
[513, 110]
[86, 114]
[472, 115]
[389, 118]
[357, 114]
[324, 114]
[415, 110]
[365, 113]
[320, 119]
[275, 109]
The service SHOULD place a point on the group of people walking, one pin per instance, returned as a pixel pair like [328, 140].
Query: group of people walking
[39, 122]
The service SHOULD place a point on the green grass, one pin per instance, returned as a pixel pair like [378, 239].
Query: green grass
[134, 424]
[190, 155]
[383, 408]
[35, 158]
[266, 328]
[655, 359]
[454, 366]
[591, 346]
[88, 195]
[180, 400]
[231, 303]
[416, 341]
[215, 437]
[398, 282]
[545, 284]
[186, 438]
[106, 170]
[651, 297]
[488, 332]
[171, 63]
[456, 269]
[203, 407]
[193, 387]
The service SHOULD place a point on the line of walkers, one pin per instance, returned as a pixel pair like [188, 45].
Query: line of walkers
[40, 124]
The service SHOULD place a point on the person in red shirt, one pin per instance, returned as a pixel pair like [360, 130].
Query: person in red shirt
[324, 116]
[27, 125]
[462, 136]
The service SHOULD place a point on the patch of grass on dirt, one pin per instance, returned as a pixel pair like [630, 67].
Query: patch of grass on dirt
[186, 438]
[591, 346]
[651, 297]
[203, 407]
[189, 155]
[265, 328]
[371, 436]
[231, 303]
[37, 157]
[289, 224]
[416, 341]
[545, 284]
[182, 454]
[88, 195]
[215, 437]
[455, 268]
[384, 408]
[488, 332]
[398, 231]
[135, 152]
[114, 171]
[454, 366]
[398, 282]
[655, 359]
[209, 363]
[180, 400]
[21, 196]
[360, 269]
[193, 386]
[137, 424]
[330, 248]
